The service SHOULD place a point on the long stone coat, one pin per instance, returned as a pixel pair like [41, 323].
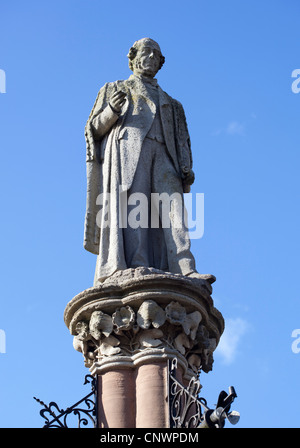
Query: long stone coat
[113, 154]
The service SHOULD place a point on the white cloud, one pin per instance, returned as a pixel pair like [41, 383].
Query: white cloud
[235, 128]
[230, 340]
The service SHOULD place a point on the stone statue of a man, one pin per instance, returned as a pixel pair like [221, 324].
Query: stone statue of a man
[138, 145]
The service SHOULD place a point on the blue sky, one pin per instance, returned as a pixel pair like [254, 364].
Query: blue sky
[230, 65]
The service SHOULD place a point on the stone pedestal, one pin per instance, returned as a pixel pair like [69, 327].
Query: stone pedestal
[129, 327]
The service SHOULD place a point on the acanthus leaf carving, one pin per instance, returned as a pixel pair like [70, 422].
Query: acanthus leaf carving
[175, 313]
[109, 346]
[127, 331]
[100, 323]
[182, 342]
[150, 313]
[150, 338]
[191, 324]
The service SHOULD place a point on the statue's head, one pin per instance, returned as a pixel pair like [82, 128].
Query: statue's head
[145, 57]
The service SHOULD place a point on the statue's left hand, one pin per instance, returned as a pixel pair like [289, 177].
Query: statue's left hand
[188, 180]
[189, 177]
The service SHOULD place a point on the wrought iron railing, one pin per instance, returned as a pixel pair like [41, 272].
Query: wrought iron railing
[84, 411]
[188, 410]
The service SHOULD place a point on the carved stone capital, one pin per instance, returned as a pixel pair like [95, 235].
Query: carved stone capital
[144, 315]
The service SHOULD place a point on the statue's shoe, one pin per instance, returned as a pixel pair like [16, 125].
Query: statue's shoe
[208, 279]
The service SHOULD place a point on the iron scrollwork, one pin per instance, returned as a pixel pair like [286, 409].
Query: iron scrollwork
[185, 409]
[85, 410]
[188, 410]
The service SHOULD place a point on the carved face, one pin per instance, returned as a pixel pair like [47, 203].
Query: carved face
[147, 60]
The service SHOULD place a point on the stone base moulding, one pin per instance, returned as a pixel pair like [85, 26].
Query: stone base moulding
[128, 328]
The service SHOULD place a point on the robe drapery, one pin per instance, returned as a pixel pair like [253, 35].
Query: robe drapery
[112, 160]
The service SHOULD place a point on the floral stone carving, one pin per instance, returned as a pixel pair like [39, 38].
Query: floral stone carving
[127, 332]
[144, 315]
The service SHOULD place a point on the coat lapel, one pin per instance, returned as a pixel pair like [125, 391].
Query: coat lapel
[168, 125]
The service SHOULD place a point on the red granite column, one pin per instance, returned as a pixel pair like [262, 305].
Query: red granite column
[152, 396]
[116, 399]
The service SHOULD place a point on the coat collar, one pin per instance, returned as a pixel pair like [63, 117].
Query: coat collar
[135, 80]
[144, 80]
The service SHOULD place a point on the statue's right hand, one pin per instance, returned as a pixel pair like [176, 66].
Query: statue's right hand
[117, 100]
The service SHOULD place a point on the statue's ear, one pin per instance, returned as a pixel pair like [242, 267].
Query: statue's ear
[162, 61]
[131, 55]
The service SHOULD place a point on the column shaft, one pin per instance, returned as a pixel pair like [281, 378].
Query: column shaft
[116, 399]
[152, 396]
